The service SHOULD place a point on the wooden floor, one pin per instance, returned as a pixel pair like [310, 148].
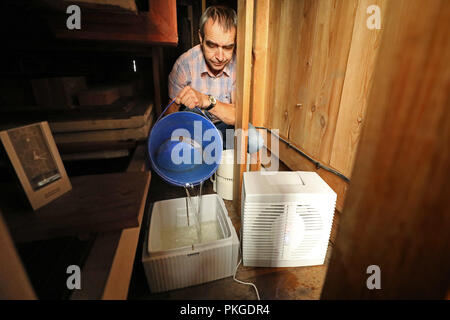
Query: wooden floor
[301, 283]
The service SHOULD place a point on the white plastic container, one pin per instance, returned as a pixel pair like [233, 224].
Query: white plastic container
[286, 219]
[190, 264]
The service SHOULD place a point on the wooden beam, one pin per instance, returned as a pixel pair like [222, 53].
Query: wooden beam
[156, 81]
[14, 281]
[158, 26]
[244, 74]
[258, 105]
[396, 215]
[119, 5]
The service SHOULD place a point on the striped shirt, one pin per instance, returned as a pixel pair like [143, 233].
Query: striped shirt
[190, 69]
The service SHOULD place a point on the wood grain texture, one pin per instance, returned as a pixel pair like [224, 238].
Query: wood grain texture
[99, 96]
[96, 203]
[14, 282]
[258, 101]
[125, 113]
[158, 26]
[261, 44]
[357, 84]
[58, 93]
[311, 41]
[126, 116]
[105, 135]
[126, 5]
[397, 212]
[107, 271]
[243, 79]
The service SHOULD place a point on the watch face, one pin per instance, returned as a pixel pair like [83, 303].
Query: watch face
[34, 154]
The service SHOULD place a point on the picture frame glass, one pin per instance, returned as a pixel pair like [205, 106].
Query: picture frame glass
[34, 155]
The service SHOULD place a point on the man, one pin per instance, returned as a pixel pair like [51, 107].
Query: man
[205, 76]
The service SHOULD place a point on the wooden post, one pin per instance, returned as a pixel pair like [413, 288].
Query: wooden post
[244, 74]
[157, 85]
[14, 282]
[260, 64]
[396, 215]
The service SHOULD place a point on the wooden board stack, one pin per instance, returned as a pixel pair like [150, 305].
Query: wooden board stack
[103, 131]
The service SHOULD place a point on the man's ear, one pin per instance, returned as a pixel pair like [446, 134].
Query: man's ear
[200, 36]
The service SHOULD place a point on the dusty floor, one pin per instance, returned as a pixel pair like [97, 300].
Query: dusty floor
[301, 283]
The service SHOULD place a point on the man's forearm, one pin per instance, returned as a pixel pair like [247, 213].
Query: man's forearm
[225, 112]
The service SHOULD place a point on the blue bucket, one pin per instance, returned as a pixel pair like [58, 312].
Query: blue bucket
[184, 148]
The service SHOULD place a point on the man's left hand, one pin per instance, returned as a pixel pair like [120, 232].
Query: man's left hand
[192, 98]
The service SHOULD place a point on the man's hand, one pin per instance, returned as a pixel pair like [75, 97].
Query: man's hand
[192, 98]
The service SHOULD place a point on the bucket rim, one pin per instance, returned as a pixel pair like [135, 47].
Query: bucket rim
[161, 173]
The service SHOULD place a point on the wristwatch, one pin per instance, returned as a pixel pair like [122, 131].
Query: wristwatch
[212, 101]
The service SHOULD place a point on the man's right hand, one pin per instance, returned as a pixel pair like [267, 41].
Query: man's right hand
[192, 98]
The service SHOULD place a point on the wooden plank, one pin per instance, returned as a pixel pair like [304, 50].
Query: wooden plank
[397, 212]
[140, 161]
[95, 146]
[283, 37]
[258, 105]
[158, 26]
[14, 282]
[57, 92]
[137, 117]
[156, 61]
[105, 154]
[322, 46]
[125, 113]
[243, 80]
[109, 265]
[260, 63]
[304, 91]
[105, 135]
[122, 266]
[97, 203]
[122, 5]
[357, 85]
[101, 96]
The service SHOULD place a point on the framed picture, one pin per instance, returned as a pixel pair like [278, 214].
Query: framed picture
[37, 163]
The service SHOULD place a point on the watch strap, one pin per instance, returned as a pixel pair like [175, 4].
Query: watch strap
[213, 103]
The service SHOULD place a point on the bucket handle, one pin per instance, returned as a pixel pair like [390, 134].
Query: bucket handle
[164, 111]
[170, 103]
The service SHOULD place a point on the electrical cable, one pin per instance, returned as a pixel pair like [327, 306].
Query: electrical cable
[235, 271]
[316, 163]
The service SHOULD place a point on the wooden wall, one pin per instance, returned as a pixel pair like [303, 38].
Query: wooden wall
[312, 72]
[397, 212]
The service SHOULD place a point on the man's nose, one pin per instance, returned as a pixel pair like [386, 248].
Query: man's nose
[219, 55]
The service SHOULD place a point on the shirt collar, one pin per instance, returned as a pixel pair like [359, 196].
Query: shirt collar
[204, 68]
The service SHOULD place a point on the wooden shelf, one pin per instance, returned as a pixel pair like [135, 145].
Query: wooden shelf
[158, 26]
[107, 271]
[96, 203]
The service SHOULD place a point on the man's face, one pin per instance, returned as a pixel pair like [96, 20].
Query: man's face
[218, 45]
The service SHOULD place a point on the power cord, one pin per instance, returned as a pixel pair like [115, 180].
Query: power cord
[235, 271]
